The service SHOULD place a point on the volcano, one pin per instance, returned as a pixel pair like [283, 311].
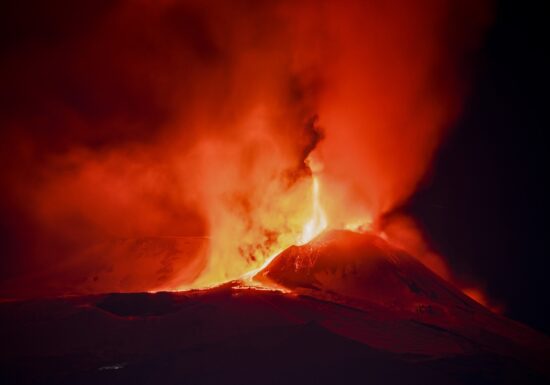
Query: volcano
[349, 308]
[362, 268]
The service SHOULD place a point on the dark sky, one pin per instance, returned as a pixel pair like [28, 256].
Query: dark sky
[485, 206]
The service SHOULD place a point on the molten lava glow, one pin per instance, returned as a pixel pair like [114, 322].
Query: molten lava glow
[312, 227]
[304, 218]
[318, 221]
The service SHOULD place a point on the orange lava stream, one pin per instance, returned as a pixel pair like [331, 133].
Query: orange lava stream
[312, 228]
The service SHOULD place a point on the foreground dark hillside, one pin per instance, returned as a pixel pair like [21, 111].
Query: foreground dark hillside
[324, 332]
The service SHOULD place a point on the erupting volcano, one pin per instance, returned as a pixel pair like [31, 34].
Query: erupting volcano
[220, 192]
[345, 306]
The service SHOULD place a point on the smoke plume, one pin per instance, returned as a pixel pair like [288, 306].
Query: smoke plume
[161, 144]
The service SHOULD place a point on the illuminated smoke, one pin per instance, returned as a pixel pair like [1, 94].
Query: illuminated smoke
[152, 145]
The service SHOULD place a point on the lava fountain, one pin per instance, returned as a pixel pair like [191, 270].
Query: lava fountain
[318, 221]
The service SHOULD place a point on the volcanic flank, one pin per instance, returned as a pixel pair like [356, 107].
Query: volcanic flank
[363, 271]
[354, 309]
[363, 268]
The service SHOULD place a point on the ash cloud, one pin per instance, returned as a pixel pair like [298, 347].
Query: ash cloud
[186, 124]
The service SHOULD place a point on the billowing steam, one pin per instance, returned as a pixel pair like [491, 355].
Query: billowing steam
[163, 144]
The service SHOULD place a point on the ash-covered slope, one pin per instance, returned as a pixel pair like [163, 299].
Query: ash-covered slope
[363, 268]
[358, 312]
[364, 272]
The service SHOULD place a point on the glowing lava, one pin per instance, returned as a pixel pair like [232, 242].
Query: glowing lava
[318, 221]
[313, 227]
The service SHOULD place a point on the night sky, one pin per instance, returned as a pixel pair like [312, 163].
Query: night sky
[485, 206]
